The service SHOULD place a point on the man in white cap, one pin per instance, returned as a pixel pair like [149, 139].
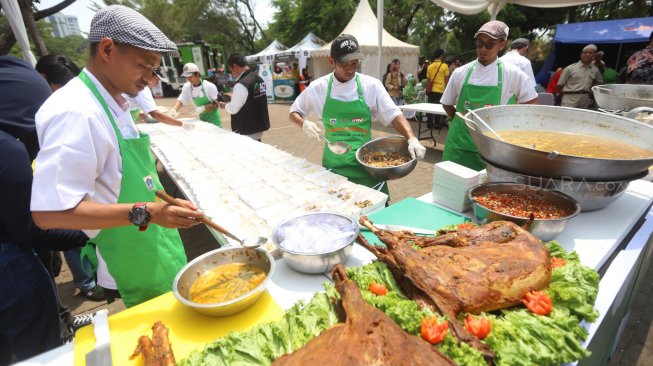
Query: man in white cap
[517, 56]
[486, 81]
[95, 171]
[344, 102]
[576, 81]
[143, 107]
[201, 93]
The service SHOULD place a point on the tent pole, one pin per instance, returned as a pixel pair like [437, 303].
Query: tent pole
[616, 67]
[379, 17]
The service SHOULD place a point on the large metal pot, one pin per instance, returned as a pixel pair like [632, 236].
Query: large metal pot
[572, 120]
[623, 96]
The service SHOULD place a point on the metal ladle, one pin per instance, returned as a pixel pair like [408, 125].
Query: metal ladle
[337, 147]
[482, 122]
[252, 242]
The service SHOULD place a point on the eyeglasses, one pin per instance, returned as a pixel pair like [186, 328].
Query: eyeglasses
[488, 45]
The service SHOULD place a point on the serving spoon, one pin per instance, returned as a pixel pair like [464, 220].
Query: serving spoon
[476, 125]
[251, 242]
[337, 147]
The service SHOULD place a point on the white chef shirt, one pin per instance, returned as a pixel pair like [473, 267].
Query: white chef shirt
[143, 101]
[515, 82]
[79, 158]
[188, 92]
[311, 101]
[524, 64]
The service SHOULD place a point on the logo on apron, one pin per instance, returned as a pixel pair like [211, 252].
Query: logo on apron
[467, 104]
[356, 120]
[333, 121]
[149, 183]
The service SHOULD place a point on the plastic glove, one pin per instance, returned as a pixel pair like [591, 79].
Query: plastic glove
[187, 125]
[199, 110]
[416, 149]
[173, 113]
[311, 129]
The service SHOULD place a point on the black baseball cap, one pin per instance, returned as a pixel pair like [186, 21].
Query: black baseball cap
[345, 48]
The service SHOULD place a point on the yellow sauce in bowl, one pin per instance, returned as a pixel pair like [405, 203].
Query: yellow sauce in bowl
[225, 282]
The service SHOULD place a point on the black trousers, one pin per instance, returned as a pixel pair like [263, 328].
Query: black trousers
[436, 121]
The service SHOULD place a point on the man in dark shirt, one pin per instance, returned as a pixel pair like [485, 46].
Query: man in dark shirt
[29, 315]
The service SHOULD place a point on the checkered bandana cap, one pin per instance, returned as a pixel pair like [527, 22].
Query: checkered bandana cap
[125, 25]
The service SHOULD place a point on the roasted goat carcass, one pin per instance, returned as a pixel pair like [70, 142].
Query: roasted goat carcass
[471, 270]
[367, 337]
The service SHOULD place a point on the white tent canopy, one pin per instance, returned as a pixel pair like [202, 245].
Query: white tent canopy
[363, 26]
[268, 53]
[469, 7]
[302, 50]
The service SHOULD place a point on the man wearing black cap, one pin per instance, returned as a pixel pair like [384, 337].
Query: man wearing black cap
[486, 81]
[517, 56]
[345, 102]
[95, 171]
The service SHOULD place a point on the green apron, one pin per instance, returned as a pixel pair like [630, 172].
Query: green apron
[350, 122]
[135, 113]
[207, 116]
[459, 146]
[143, 263]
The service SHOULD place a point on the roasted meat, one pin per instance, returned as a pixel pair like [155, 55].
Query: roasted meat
[471, 270]
[367, 337]
[156, 351]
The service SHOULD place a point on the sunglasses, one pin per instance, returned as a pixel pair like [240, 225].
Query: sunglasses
[353, 64]
[488, 45]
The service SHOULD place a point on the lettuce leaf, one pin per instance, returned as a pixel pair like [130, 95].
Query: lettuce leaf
[573, 285]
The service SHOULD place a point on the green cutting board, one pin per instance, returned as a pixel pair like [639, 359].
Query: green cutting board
[414, 213]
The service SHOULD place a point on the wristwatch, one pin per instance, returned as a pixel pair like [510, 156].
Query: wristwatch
[139, 215]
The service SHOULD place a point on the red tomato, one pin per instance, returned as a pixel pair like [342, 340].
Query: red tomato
[466, 225]
[557, 262]
[538, 302]
[480, 327]
[433, 331]
[378, 289]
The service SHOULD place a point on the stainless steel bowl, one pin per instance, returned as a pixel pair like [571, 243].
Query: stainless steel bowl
[320, 261]
[545, 230]
[623, 97]
[570, 120]
[200, 265]
[387, 144]
[591, 195]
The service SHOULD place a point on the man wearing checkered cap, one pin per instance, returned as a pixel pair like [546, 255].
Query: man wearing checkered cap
[95, 171]
[486, 81]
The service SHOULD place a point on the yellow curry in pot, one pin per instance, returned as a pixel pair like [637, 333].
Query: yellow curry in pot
[574, 144]
[225, 282]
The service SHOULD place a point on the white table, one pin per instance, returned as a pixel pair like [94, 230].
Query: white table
[429, 108]
[596, 236]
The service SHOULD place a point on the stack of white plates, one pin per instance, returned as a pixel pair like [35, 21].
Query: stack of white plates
[451, 182]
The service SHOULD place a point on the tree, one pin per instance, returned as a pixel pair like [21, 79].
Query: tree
[30, 17]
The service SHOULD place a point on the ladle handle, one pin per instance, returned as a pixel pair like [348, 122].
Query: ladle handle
[471, 124]
[206, 221]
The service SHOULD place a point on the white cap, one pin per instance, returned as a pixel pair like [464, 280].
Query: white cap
[189, 69]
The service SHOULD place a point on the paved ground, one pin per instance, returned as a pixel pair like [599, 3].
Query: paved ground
[635, 348]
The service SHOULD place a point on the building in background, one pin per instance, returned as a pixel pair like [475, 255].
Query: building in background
[63, 25]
